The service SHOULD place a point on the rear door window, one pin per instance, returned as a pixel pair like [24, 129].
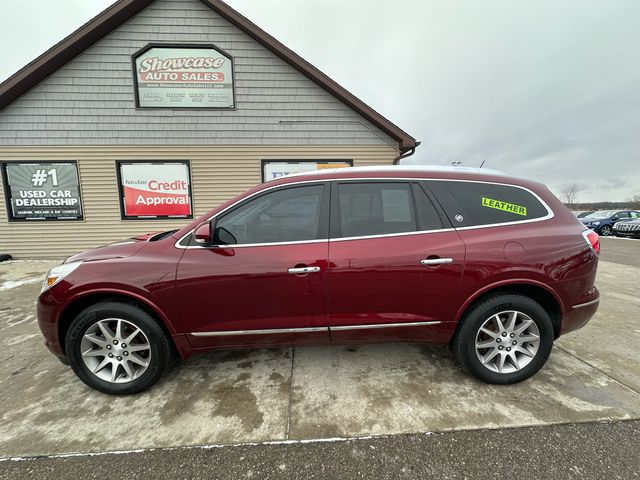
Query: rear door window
[477, 203]
[374, 209]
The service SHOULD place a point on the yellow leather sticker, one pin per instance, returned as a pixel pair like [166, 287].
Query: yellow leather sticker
[504, 206]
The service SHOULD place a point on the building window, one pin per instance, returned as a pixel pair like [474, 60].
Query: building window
[42, 191]
[154, 189]
[272, 169]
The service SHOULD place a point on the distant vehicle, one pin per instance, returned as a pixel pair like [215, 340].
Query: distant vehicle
[580, 214]
[602, 222]
[628, 228]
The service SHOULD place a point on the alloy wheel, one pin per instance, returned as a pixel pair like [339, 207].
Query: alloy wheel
[115, 350]
[507, 342]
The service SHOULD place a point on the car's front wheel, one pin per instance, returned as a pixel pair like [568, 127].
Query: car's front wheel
[117, 348]
[605, 231]
[504, 339]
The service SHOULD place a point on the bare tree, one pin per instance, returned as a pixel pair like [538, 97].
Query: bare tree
[634, 202]
[570, 193]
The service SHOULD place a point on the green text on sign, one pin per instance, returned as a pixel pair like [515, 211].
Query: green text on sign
[507, 207]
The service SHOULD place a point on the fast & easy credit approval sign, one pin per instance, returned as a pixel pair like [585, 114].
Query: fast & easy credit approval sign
[183, 76]
[155, 189]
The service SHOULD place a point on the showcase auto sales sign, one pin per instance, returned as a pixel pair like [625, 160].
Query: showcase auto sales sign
[184, 77]
[152, 190]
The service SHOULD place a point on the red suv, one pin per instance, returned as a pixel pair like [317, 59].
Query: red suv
[493, 266]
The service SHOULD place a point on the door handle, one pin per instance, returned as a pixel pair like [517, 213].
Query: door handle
[436, 261]
[299, 270]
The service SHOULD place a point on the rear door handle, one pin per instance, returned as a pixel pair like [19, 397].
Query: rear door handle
[299, 270]
[436, 261]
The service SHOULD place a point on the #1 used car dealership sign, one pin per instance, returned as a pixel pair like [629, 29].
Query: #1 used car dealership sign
[183, 76]
[155, 189]
[42, 190]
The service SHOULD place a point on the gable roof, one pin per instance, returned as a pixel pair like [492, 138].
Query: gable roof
[121, 11]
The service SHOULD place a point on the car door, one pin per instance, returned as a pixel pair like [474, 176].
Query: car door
[395, 263]
[622, 216]
[264, 279]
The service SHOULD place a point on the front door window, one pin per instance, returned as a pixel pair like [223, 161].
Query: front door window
[287, 215]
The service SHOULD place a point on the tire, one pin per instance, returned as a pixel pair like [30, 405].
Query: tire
[95, 332]
[487, 314]
[605, 231]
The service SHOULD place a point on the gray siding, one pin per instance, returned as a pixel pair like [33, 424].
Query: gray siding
[90, 101]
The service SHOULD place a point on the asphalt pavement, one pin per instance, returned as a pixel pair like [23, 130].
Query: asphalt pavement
[560, 452]
[624, 251]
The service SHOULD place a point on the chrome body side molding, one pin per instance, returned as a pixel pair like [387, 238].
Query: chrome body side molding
[587, 304]
[339, 328]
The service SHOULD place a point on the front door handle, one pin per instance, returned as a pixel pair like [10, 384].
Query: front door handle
[436, 261]
[303, 270]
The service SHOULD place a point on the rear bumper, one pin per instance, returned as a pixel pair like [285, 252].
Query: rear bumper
[579, 315]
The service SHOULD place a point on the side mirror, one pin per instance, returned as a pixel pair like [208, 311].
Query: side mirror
[203, 233]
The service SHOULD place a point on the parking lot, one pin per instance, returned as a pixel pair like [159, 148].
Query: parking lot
[235, 397]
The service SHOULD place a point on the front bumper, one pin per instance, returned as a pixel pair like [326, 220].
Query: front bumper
[48, 310]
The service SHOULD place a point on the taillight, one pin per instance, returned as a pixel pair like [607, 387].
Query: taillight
[592, 239]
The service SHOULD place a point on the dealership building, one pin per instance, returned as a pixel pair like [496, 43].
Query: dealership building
[156, 111]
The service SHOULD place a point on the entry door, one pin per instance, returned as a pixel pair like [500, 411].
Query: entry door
[264, 282]
[395, 264]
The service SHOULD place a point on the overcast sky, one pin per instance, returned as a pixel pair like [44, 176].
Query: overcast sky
[543, 89]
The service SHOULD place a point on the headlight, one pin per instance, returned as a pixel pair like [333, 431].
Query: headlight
[58, 273]
[596, 223]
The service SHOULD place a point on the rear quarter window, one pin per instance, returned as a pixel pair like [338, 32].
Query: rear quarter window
[475, 203]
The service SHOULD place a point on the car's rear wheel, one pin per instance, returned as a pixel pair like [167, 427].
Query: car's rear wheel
[504, 339]
[117, 348]
[605, 231]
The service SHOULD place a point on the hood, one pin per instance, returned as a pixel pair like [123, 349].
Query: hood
[591, 220]
[121, 249]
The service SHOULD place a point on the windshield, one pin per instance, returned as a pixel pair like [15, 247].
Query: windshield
[602, 214]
